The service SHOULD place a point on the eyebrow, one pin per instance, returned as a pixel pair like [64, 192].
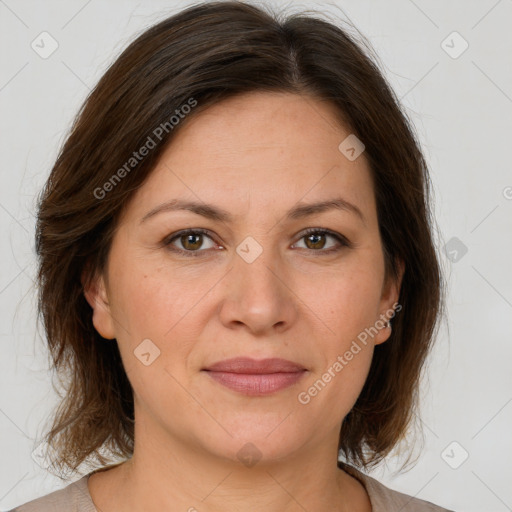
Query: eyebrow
[212, 212]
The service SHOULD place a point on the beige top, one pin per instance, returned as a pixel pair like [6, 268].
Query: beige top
[76, 498]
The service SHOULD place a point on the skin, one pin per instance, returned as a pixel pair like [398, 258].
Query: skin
[257, 156]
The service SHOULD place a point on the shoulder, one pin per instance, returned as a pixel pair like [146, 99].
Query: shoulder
[74, 497]
[384, 499]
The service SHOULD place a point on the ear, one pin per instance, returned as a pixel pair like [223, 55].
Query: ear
[95, 293]
[389, 303]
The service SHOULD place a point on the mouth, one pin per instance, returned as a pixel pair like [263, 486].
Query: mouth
[255, 377]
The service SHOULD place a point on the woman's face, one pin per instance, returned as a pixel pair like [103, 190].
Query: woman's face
[254, 285]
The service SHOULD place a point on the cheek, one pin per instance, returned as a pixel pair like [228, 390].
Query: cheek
[156, 303]
[349, 302]
[333, 389]
[349, 308]
[160, 333]
[150, 298]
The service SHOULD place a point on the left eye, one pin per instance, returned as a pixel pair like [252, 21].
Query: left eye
[315, 240]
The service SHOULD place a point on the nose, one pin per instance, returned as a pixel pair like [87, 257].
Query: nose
[258, 294]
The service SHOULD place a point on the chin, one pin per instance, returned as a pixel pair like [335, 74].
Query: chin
[258, 438]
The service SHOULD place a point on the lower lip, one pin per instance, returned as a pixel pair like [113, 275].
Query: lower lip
[256, 384]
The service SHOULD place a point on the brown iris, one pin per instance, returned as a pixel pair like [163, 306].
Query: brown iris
[317, 243]
[188, 241]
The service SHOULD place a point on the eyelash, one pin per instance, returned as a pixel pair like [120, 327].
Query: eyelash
[343, 241]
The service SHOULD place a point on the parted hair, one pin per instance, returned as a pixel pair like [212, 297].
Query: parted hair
[200, 56]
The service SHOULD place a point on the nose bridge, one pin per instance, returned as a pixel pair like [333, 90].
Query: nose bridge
[258, 296]
[256, 263]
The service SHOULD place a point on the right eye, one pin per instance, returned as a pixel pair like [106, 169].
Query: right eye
[191, 241]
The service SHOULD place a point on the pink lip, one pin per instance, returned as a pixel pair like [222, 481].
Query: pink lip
[256, 377]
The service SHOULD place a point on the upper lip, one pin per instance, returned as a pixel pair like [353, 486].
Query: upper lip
[247, 365]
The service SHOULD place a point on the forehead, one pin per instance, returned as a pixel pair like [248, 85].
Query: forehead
[258, 121]
[268, 148]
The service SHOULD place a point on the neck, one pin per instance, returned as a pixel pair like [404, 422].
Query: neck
[179, 476]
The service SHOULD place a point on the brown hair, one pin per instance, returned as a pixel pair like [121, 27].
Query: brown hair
[204, 54]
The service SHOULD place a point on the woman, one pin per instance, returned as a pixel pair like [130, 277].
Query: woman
[237, 273]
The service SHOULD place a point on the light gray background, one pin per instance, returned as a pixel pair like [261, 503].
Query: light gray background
[462, 109]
